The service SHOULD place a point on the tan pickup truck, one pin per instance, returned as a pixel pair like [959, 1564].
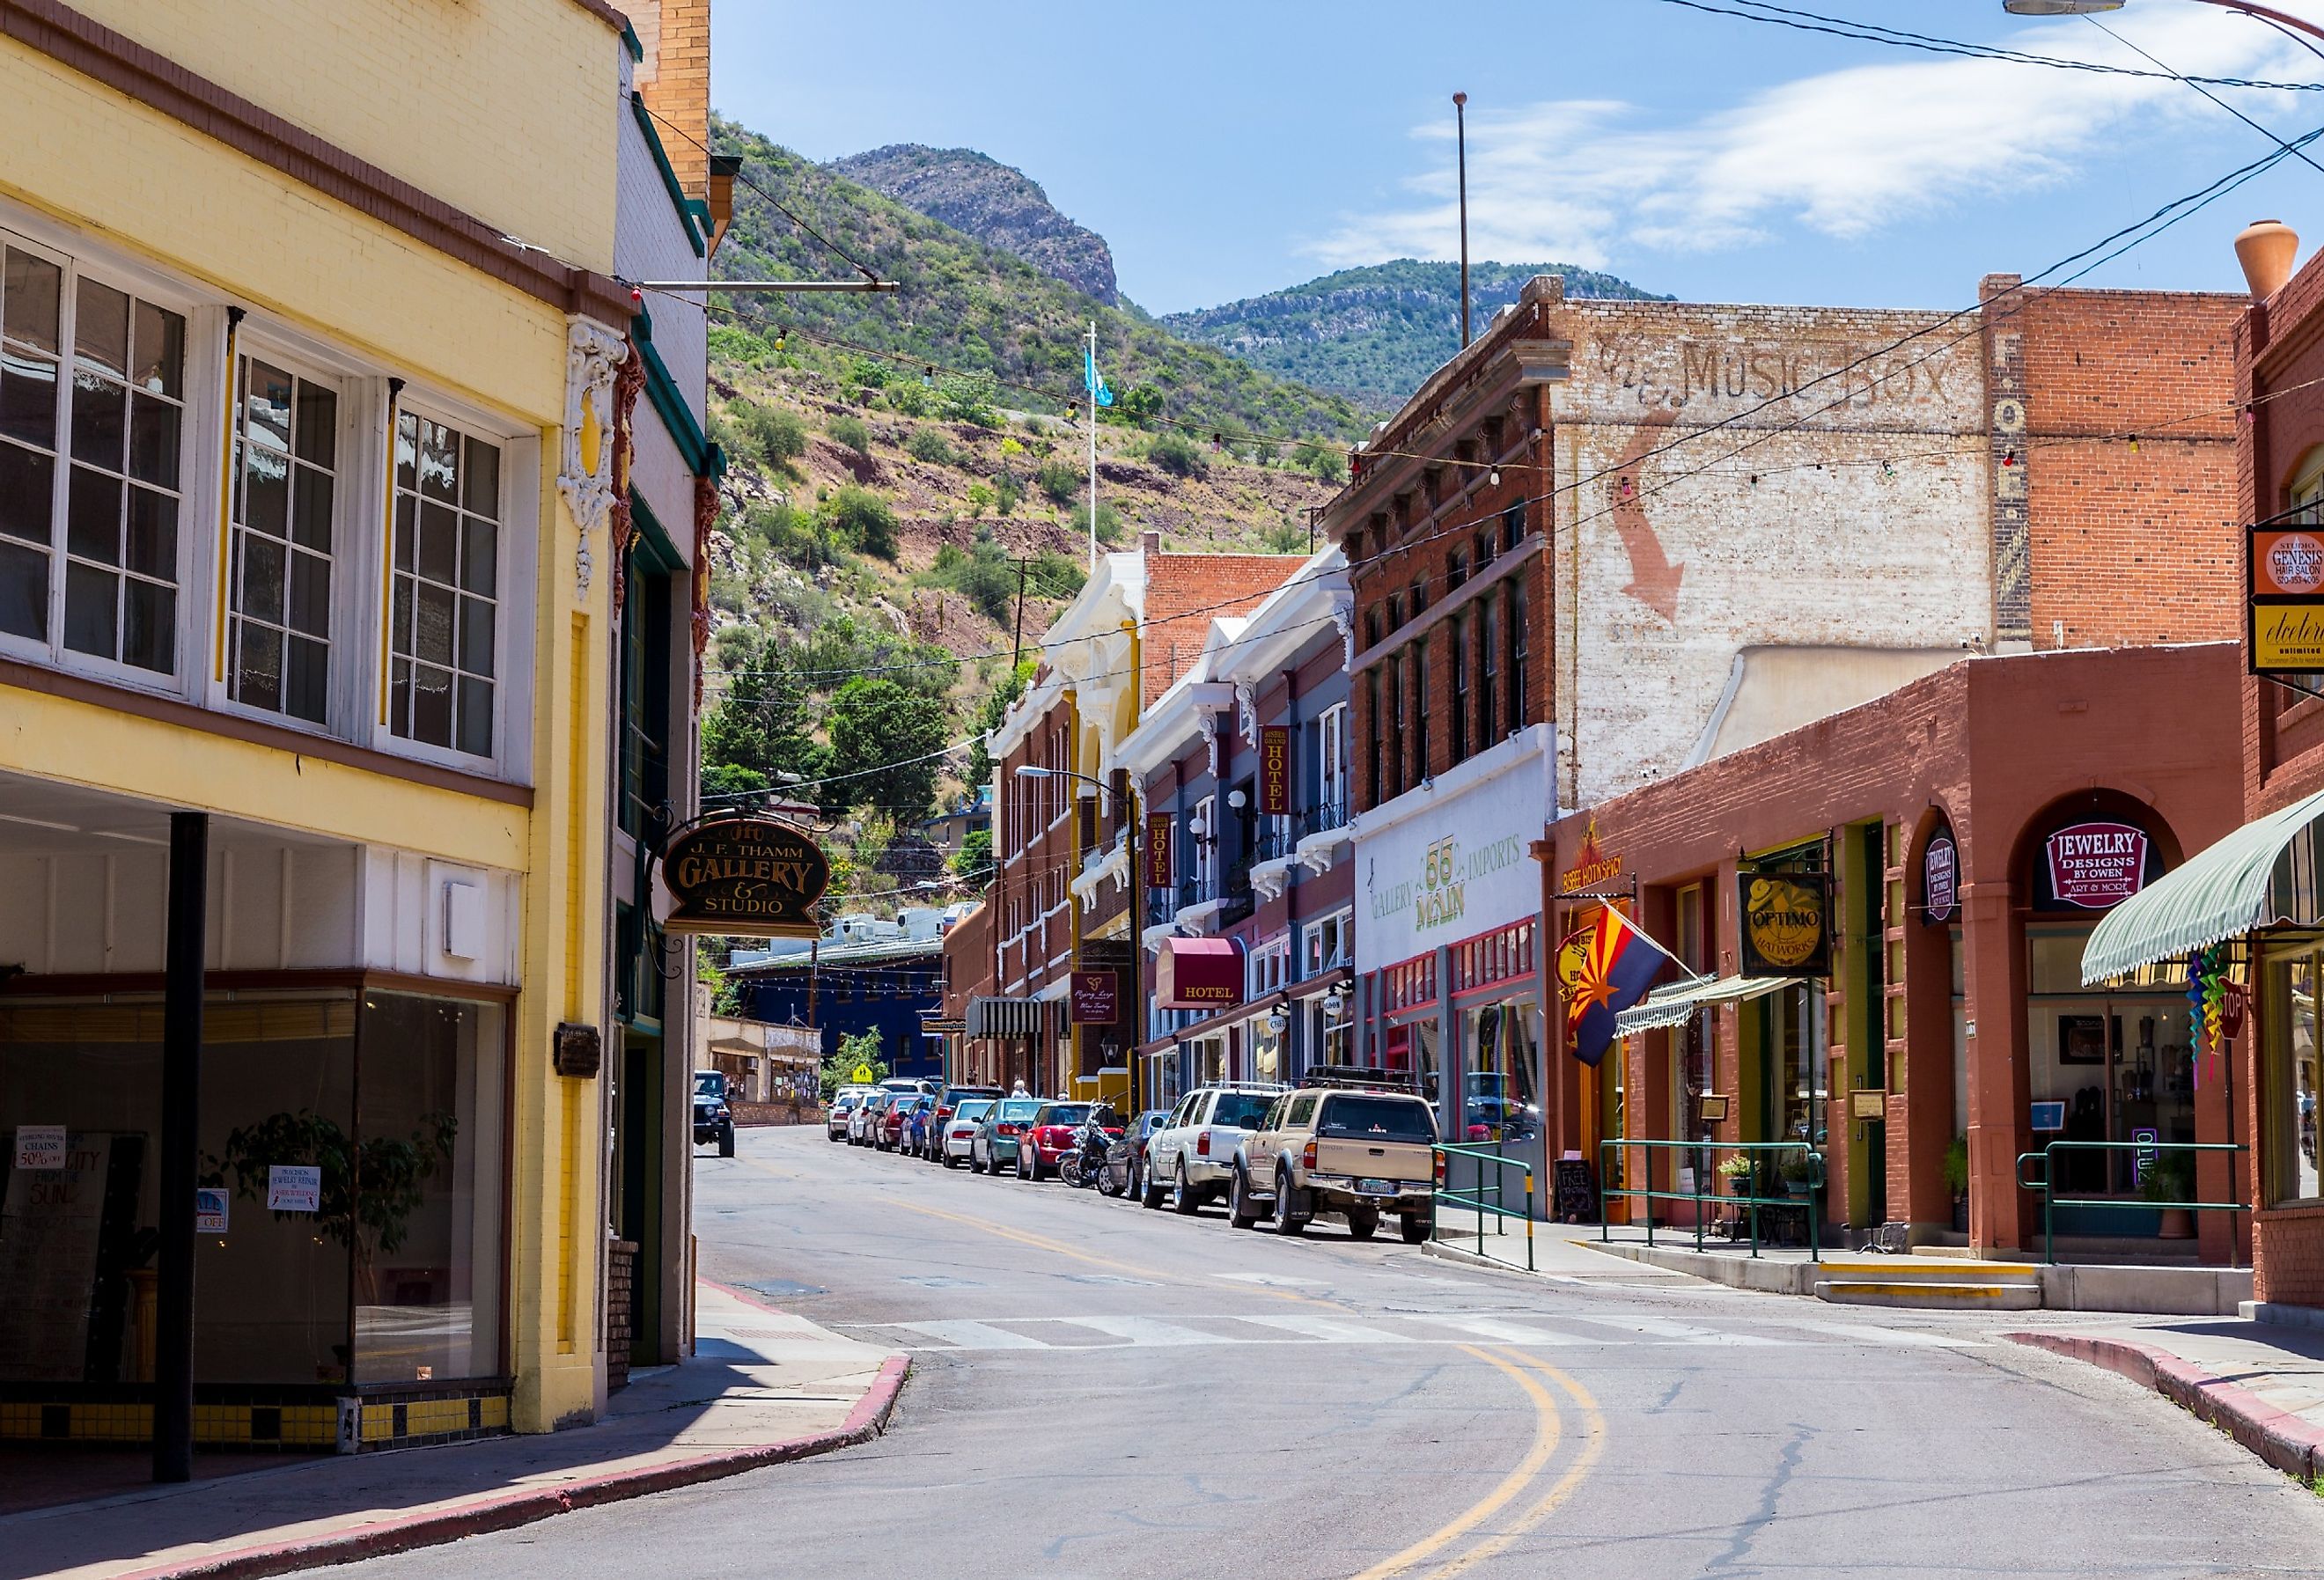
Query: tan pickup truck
[1358, 1153]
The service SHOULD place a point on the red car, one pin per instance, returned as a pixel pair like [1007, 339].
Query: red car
[1055, 1130]
[889, 1137]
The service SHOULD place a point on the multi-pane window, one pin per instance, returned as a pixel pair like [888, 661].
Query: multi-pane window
[443, 623]
[1512, 527]
[1459, 720]
[1489, 669]
[1373, 737]
[1329, 943]
[1332, 764]
[1515, 646]
[285, 460]
[108, 414]
[1396, 690]
[1421, 761]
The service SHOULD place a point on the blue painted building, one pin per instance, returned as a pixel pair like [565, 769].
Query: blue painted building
[845, 987]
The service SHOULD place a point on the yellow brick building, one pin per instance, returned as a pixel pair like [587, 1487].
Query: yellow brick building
[309, 342]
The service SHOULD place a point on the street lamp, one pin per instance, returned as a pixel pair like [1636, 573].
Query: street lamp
[2092, 7]
[1137, 911]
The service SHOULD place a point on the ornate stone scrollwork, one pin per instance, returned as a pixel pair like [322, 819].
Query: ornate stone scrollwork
[594, 355]
[1246, 709]
[1343, 615]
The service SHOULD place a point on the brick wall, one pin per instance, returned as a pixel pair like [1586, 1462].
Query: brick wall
[1185, 592]
[2288, 1255]
[675, 79]
[2100, 367]
[621, 1308]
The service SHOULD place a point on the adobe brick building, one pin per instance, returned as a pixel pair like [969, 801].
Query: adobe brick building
[1610, 540]
[1956, 1001]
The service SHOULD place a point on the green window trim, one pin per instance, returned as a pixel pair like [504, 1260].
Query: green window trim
[655, 546]
[694, 233]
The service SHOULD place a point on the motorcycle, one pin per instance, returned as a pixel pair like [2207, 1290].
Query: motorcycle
[1085, 1166]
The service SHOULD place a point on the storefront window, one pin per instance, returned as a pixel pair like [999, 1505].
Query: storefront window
[1501, 1101]
[1266, 1052]
[1410, 1050]
[1209, 1060]
[354, 1149]
[2289, 1071]
[2121, 1062]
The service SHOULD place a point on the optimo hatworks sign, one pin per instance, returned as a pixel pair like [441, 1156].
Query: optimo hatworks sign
[746, 877]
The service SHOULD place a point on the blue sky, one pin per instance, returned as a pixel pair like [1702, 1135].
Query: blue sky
[1225, 150]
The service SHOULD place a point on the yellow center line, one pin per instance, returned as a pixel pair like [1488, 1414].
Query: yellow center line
[1593, 1447]
[1547, 1431]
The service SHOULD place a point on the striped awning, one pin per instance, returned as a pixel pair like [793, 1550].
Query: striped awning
[2262, 874]
[999, 1016]
[1675, 1005]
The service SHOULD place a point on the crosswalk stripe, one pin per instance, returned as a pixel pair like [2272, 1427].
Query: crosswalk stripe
[1146, 1331]
[1908, 1338]
[973, 1335]
[1680, 1333]
[1507, 1333]
[1324, 1328]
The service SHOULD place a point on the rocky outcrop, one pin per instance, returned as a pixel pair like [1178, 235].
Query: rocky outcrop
[1001, 206]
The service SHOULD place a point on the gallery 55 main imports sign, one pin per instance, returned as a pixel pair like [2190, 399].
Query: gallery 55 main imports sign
[745, 877]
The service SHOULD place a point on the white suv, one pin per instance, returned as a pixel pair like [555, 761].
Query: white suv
[1191, 1159]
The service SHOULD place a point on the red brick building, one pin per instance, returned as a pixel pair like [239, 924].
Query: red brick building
[1954, 999]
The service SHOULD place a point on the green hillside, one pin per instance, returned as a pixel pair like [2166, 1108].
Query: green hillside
[968, 307]
[1374, 335]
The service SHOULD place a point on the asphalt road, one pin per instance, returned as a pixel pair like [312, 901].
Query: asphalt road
[1103, 1391]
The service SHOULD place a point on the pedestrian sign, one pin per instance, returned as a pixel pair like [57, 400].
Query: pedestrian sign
[861, 1074]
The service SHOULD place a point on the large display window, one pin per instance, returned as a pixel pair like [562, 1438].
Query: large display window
[2290, 1036]
[352, 1224]
[2121, 1063]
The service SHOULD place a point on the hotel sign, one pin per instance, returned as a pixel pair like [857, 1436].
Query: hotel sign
[1157, 850]
[744, 877]
[2284, 602]
[1275, 770]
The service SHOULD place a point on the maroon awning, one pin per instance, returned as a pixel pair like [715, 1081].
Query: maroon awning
[1199, 973]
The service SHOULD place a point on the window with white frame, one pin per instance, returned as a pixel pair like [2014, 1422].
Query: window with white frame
[1206, 846]
[1331, 763]
[92, 424]
[1330, 943]
[1269, 967]
[286, 442]
[443, 623]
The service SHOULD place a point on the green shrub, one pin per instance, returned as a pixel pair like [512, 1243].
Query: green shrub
[980, 498]
[968, 397]
[1327, 465]
[1109, 524]
[776, 434]
[862, 519]
[984, 574]
[1285, 538]
[930, 444]
[850, 431]
[1007, 491]
[868, 373]
[910, 397]
[1060, 482]
[1175, 454]
[1053, 575]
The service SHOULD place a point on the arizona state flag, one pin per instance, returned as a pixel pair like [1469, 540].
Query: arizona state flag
[1607, 966]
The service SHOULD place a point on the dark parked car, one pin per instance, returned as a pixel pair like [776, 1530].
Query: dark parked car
[949, 1103]
[1125, 1159]
[714, 1120]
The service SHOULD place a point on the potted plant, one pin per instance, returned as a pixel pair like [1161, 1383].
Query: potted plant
[1801, 1172]
[2171, 1178]
[1737, 1172]
[1956, 1179]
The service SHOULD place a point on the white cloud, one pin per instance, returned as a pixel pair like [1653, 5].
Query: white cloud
[1843, 153]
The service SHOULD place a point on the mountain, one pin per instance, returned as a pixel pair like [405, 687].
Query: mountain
[967, 307]
[1374, 335]
[996, 204]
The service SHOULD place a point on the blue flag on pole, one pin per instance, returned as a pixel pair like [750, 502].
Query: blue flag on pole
[1093, 381]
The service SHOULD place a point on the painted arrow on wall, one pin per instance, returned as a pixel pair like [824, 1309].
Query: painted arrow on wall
[1654, 580]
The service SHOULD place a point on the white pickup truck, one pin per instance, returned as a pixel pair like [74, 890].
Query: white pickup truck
[1191, 1159]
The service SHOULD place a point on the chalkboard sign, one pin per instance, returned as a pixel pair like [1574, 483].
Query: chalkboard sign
[1577, 1192]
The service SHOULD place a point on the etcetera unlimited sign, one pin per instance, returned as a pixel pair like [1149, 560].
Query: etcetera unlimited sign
[2096, 865]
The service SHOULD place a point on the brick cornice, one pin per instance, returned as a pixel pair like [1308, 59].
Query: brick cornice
[75, 41]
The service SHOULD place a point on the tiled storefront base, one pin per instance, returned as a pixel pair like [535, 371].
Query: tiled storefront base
[2288, 1255]
[260, 1420]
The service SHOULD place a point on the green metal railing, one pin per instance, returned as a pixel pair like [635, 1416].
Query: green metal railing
[2050, 1200]
[1767, 1160]
[1478, 1199]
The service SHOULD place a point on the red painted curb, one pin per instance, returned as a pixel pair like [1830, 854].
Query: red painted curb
[506, 1510]
[2286, 1441]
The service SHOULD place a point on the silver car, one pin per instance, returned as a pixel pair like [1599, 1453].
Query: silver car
[959, 1129]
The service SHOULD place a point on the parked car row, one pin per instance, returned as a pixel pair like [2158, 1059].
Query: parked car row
[1349, 1143]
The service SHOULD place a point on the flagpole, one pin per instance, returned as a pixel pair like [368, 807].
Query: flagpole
[1093, 448]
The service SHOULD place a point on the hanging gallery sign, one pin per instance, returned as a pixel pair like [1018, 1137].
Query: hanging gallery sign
[744, 877]
[1786, 920]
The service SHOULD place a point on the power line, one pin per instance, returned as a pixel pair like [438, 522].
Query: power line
[772, 201]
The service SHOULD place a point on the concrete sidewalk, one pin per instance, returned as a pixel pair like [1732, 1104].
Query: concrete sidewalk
[764, 1387]
[2262, 1383]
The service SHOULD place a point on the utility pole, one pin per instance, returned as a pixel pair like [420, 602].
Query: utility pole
[1461, 135]
[1024, 565]
[1093, 448]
